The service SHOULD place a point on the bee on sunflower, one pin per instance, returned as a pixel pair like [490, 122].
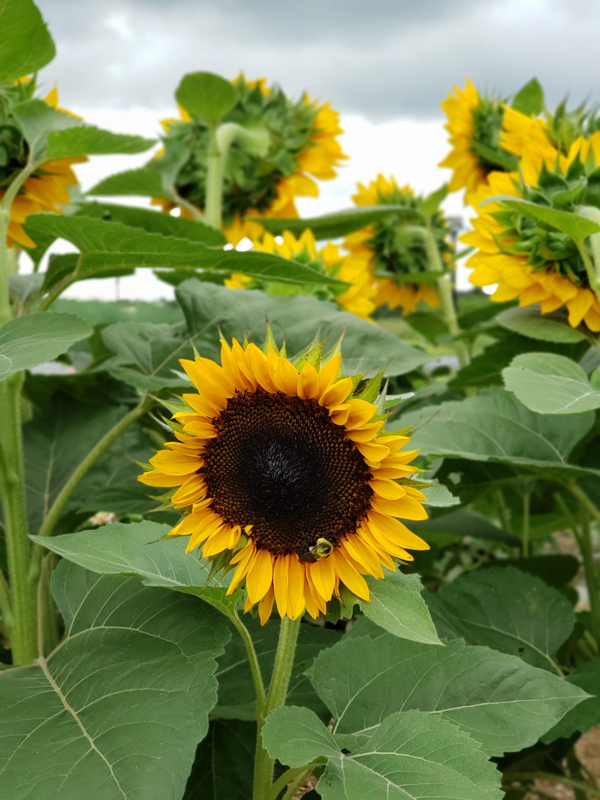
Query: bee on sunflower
[394, 254]
[46, 189]
[286, 476]
[358, 298]
[475, 127]
[528, 258]
[302, 145]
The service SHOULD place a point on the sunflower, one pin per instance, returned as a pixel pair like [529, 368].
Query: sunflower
[357, 299]
[47, 188]
[389, 247]
[303, 145]
[474, 124]
[531, 260]
[286, 475]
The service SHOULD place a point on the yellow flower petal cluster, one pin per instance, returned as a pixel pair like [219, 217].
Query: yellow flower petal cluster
[512, 274]
[45, 190]
[358, 299]
[527, 138]
[467, 173]
[361, 246]
[280, 468]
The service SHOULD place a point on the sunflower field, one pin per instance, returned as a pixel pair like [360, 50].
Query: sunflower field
[323, 526]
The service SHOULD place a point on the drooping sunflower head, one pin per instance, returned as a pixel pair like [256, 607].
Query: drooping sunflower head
[285, 475]
[302, 145]
[474, 126]
[46, 189]
[357, 298]
[527, 257]
[392, 251]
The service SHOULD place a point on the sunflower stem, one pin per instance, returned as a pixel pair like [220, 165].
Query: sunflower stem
[259, 685]
[214, 182]
[23, 626]
[292, 779]
[445, 291]
[278, 688]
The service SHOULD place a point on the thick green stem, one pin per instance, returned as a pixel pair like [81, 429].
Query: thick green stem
[214, 182]
[60, 287]
[145, 404]
[18, 546]
[259, 686]
[278, 688]
[5, 606]
[445, 291]
[526, 526]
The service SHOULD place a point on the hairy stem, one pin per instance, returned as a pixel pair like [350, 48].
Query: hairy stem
[278, 688]
[145, 404]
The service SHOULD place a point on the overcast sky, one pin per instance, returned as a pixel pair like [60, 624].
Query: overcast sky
[385, 64]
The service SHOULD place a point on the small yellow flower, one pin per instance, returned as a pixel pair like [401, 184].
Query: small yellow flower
[45, 190]
[357, 299]
[531, 261]
[304, 146]
[384, 247]
[280, 470]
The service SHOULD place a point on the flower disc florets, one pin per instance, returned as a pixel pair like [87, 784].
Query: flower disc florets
[284, 475]
[393, 251]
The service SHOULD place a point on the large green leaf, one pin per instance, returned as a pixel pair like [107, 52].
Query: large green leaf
[397, 606]
[142, 182]
[550, 384]
[507, 610]
[224, 765]
[410, 755]
[147, 355]
[109, 245]
[54, 443]
[495, 426]
[498, 699]
[574, 225]
[35, 338]
[206, 96]
[339, 223]
[118, 708]
[365, 347]
[531, 322]
[587, 714]
[237, 697]
[37, 120]
[154, 222]
[88, 140]
[138, 549]
[25, 45]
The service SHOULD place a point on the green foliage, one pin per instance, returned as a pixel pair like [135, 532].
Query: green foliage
[134, 663]
[410, 752]
[26, 45]
[87, 140]
[550, 384]
[547, 327]
[28, 341]
[506, 610]
[587, 714]
[339, 223]
[224, 763]
[498, 699]
[142, 182]
[529, 100]
[206, 96]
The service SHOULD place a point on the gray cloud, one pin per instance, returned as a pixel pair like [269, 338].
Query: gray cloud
[382, 59]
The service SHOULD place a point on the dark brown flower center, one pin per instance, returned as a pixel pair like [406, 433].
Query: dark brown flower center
[280, 464]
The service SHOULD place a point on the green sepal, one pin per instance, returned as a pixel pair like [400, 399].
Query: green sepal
[337, 348]
[395, 399]
[348, 601]
[372, 388]
[269, 341]
[402, 432]
[174, 408]
[310, 354]
[176, 427]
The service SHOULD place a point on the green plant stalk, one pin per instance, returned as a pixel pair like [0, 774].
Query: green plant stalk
[278, 688]
[259, 685]
[5, 607]
[48, 636]
[525, 544]
[502, 509]
[47, 527]
[295, 776]
[445, 291]
[213, 204]
[60, 287]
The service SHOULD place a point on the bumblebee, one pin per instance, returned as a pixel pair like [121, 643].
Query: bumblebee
[312, 553]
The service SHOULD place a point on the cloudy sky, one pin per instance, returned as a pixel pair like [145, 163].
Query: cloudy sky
[385, 64]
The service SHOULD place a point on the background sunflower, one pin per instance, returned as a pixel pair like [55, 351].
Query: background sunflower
[392, 251]
[303, 145]
[358, 298]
